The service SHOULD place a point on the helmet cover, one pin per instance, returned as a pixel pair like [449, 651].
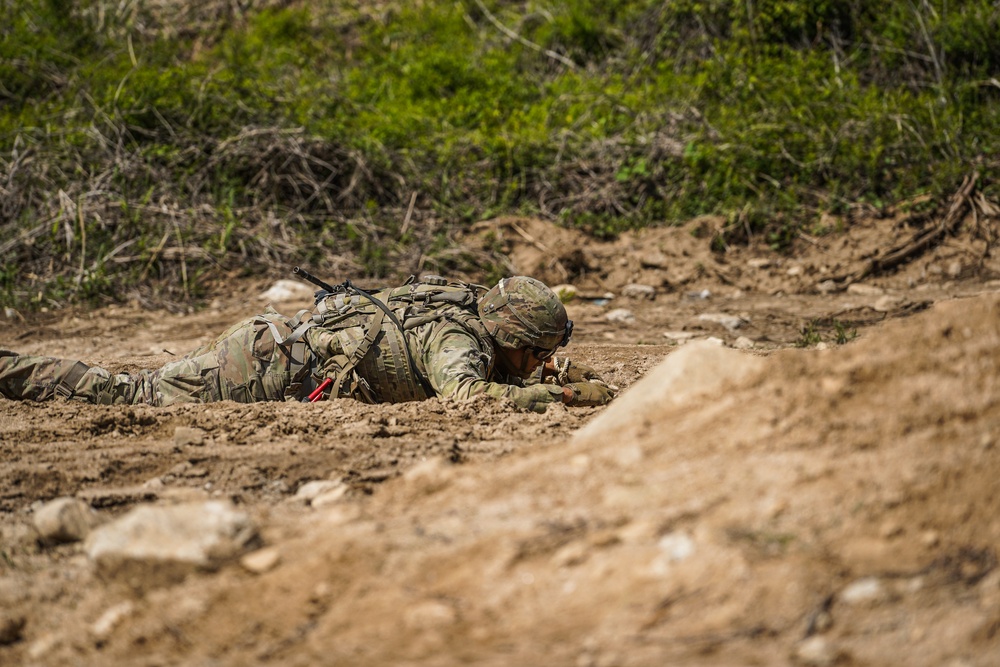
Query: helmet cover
[521, 312]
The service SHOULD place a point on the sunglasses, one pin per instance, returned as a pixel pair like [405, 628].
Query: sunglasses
[542, 353]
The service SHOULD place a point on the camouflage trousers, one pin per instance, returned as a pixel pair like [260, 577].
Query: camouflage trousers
[244, 364]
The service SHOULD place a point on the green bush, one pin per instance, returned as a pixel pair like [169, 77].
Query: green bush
[246, 137]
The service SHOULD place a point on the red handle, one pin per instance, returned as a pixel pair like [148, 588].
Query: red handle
[318, 391]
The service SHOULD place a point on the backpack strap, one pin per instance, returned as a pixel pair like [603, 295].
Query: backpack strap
[374, 327]
[67, 384]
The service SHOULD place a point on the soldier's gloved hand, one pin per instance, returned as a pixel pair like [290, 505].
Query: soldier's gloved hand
[573, 371]
[589, 394]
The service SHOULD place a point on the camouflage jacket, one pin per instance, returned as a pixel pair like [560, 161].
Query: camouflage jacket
[452, 356]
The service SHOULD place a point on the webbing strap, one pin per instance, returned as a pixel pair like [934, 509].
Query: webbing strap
[66, 387]
[399, 327]
[296, 334]
[374, 327]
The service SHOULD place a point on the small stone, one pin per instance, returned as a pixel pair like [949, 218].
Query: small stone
[184, 435]
[680, 337]
[677, 546]
[826, 287]
[794, 271]
[43, 645]
[103, 627]
[759, 263]
[715, 341]
[863, 591]
[429, 615]
[730, 322]
[330, 497]
[65, 520]
[309, 491]
[262, 560]
[637, 291]
[288, 290]
[743, 343]
[861, 289]
[816, 651]
[698, 296]
[887, 303]
[570, 555]
[954, 269]
[930, 538]
[11, 627]
[153, 545]
[620, 316]
[654, 260]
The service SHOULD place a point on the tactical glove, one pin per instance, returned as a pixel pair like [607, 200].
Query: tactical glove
[589, 394]
[568, 372]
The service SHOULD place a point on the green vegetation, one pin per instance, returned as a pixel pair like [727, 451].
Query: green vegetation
[837, 332]
[148, 148]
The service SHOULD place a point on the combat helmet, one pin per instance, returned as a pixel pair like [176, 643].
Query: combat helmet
[521, 312]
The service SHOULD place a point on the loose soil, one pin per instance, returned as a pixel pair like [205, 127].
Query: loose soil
[836, 505]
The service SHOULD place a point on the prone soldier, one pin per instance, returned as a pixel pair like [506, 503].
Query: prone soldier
[425, 338]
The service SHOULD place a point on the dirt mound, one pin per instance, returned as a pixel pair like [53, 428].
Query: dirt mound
[822, 506]
[805, 506]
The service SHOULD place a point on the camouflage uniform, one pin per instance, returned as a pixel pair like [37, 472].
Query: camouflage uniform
[440, 347]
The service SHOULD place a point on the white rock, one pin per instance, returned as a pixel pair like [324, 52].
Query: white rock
[103, 627]
[620, 316]
[288, 290]
[816, 651]
[262, 560]
[677, 546]
[794, 271]
[862, 591]
[330, 497]
[429, 614]
[637, 291]
[43, 646]
[654, 260]
[153, 546]
[65, 520]
[314, 489]
[862, 289]
[887, 303]
[743, 343]
[715, 341]
[759, 263]
[730, 322]
[826, 287]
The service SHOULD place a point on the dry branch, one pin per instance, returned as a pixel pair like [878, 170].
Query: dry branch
[920, 242]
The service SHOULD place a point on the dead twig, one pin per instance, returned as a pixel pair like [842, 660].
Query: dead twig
[919, 242]
[521, 40]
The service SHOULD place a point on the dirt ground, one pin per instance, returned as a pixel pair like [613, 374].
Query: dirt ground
[823, 495]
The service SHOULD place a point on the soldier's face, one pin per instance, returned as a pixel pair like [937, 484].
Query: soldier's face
[521, 362]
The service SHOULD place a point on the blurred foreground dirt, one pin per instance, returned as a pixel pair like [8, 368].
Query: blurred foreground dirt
[781, 504]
